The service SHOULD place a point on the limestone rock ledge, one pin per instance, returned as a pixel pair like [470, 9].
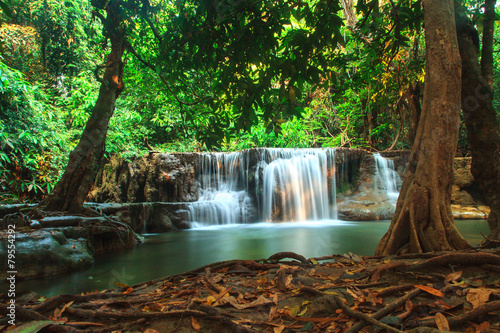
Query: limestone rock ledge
[58, 244]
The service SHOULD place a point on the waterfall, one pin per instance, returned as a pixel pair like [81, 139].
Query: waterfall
[386, 178]
[223, 197]
[295, 185]
[281, 184]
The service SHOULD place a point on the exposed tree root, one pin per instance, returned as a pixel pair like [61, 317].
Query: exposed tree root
[252, 297]
[358, 315]
[282, 255]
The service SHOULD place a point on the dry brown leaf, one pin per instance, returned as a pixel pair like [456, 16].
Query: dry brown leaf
[478, 297]
[288, 280]
[58, 314]
[430, 290]
[196, 325]
[150, 330]
[261, 301]
[483, 326]
[279, 329]
[453, 276]
[442, 322]
[128, 291]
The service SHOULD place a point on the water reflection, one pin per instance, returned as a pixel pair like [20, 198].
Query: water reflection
[172, 253]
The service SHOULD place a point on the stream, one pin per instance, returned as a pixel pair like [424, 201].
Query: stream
[176, 252]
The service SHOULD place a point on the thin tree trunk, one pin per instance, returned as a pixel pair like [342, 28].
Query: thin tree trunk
[70, 192]
[483, 128]
[423, 220]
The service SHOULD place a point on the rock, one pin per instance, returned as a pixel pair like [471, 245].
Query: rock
[463, 198]
[366, 207]
[461, 172]
[45, 252]
[469, 213]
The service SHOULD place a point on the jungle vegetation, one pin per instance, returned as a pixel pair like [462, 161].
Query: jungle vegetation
[126, 77]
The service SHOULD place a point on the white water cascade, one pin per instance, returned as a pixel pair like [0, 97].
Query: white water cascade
[279, 185]
[386, 177]
[223, 195]
[295, 185]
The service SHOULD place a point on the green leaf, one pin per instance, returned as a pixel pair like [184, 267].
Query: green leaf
[307, 327]
[5, 8]
[34, 326]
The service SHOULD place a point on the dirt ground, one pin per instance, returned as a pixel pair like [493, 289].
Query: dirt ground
[433, 292]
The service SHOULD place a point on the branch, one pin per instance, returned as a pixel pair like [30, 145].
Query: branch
[96, 73]
[131, 49]
[149, 65]
[99, 15]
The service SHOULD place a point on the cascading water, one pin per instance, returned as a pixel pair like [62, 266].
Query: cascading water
[280, 185]
[386, 177]
[295, 185]
[223, 195]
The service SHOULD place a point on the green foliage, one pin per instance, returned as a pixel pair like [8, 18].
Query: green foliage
[221, 74]
[32, 140]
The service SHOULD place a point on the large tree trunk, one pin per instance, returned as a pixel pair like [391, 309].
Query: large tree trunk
[78, 178]
[483, 128]
[487, 47]
[423, 220]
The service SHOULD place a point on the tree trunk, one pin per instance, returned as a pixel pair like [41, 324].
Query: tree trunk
[487, 47]
[413, 99]
[483, 128]
[78, 178]
[423, 221]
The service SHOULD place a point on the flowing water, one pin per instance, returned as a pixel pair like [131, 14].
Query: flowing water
[176, 252]
[386, 178]
[289, 185]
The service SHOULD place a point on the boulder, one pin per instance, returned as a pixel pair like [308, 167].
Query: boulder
[44, 252]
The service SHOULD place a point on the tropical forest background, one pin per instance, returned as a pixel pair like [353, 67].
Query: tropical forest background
[276, 74]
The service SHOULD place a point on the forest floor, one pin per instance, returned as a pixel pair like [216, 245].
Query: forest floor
[432, 292]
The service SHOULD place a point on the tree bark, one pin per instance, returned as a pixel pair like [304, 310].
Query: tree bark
[423, 220]
[70, 191]
[483, 128]
[487, 47]
[413, 98]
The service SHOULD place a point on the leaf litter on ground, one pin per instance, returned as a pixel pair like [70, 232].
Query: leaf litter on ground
[431, 292]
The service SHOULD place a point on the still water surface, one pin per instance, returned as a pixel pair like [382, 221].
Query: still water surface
[171, 253]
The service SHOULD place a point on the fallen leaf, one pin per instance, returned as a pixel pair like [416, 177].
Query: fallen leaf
[314, 261]
[210, 300]
[442, 322]
[483, 326]
[150, 330]
[260, 301]
[122, 285]
[478, 297]
[430, 290]
[128, 291]
[307, 327]
[294, 310]
[303, 312]
[279, 329]
[196, 325]
[33, 326]
[453, 276]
